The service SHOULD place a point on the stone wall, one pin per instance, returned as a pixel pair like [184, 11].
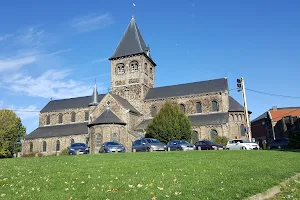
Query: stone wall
[236, 119]
[79, 112]
[189, 103]
[132, 85]
[65, 142]
[105, 133]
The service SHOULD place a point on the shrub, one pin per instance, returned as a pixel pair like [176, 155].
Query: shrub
[64, 152]
[32, 154]
[220, 140]
[294, 140]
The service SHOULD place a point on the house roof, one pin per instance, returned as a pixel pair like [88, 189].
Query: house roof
[131, 43]
[216, 85]
[196, 120]
[125, 103]
[278, 113]
[61, 104]
[107, 117]
[58, 131]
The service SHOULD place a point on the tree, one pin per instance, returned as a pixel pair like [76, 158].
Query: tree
[11, 133]
[170, 123]
[294, 140]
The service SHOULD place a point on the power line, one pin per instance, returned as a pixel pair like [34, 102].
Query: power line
[272, 94]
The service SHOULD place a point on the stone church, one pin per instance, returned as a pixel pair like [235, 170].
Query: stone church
[124, 112]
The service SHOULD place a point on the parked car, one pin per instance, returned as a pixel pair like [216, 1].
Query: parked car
[148, 144]
[180, 145]
[208, 145]
[241, 145]
[78, 148]
[109, 147]
[279, 143]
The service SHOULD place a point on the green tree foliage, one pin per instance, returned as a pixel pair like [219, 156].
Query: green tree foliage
[294, 140]
[220, 140]
[170, 123]
[11, 131]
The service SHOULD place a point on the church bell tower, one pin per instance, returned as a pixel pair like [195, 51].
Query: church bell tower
[132, 68]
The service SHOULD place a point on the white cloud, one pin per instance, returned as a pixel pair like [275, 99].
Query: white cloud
[26, 113]
[31, 37]
[99, 60]
[51, 84]
[59, 52]
[92, 22]
[5, 37]
[15, 63]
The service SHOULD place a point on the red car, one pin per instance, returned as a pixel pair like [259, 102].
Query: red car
[208, 145]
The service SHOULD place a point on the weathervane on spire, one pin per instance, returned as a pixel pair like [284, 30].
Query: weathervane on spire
[133, 5]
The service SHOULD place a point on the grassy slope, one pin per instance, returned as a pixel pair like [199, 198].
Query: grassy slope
[177, 175]
[291, 191]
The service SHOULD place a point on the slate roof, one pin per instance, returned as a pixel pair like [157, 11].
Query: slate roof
[197, 120]
[131, 43]
[58, 130]
[209, 119]
[125, 103]
[234, 105]
[79, 102]
[107, 117]
[262, 116]
[216, 85]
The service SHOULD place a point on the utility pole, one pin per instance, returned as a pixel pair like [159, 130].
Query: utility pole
[241, 87]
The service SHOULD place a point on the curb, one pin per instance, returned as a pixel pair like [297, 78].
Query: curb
[273, 190]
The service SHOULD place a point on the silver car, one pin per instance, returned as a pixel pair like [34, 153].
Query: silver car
[180, 145]
[148, 144]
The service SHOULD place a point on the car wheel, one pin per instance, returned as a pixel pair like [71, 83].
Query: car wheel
[243, 148]
[149, 149]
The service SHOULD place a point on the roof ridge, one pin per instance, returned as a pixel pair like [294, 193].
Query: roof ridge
[75, 97]
[137, 34]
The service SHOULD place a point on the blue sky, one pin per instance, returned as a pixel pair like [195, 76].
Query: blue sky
[57, 48]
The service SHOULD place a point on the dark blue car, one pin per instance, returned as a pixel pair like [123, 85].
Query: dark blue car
[109, 147]
[279, 143]
[78, 148]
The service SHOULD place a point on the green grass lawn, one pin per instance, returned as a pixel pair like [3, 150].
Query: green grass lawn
[290, 191]
[158, 175]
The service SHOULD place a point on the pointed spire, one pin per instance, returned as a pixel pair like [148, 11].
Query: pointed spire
[131, 43]
[95, 96]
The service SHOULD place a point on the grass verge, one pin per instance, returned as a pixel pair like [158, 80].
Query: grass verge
[158, 175]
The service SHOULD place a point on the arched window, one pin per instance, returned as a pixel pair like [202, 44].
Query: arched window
[30, 147]
[198, 107]
[195, 137]
[182, 108]
[134, 66]
[153, 110]
[73, 117]
[213, 133]
[72, 141]
[47, 119]
[243, 130]
[214, 106]
[44, 148]
[120, 68]
[146, 68]
[115, 137]
[60, 118]
[150, 71]
[87, 141]
[86, 116]
[57, 145]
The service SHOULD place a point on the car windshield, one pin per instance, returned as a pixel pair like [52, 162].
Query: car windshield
[150, 140]
[210, 142]
[182, 142]
[246, 141]
[78, 145]
[112, 143]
